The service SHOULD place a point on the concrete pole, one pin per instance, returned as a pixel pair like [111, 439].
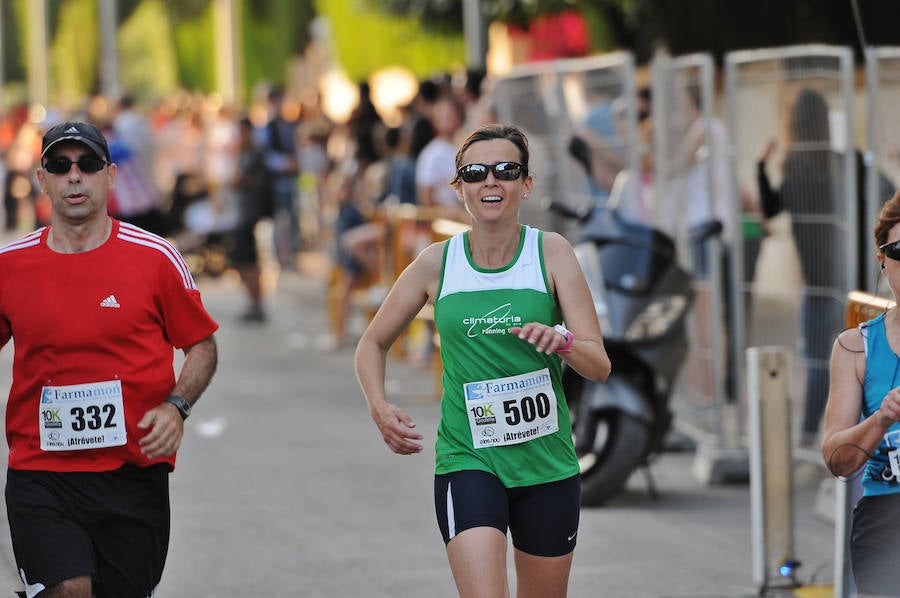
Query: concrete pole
[37, 52]
[771, 468]
[475, 31]
[109, 49]
[226, 54]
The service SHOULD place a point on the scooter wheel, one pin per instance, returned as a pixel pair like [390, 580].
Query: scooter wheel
[620, 446]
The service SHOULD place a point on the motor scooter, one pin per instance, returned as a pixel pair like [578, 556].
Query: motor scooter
[642, 297]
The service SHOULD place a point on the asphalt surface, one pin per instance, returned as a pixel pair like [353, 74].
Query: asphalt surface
[284, 487]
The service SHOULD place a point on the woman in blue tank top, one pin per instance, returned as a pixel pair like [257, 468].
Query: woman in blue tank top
[862, 435]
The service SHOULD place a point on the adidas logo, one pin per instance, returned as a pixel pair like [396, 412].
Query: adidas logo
[110, 302]
[73, 129]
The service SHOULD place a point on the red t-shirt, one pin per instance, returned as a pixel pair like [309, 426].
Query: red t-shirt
[106, 318]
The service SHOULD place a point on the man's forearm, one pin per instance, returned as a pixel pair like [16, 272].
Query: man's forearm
[197, 370]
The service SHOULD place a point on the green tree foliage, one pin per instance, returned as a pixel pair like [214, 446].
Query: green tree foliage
[11, 35]
[719, 27]
[149, 64]
[366, 39]
[446, 15]
[686, 26]
[272, 32]
[604, 17]
[195, 46]
[74, 51]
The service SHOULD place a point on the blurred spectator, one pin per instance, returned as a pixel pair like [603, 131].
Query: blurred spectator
[220, 137]
[809, 195]
[23, 202]
[180, 153]
[3, 177]
[279, 143]
[250, 185]
[436, 165]
[633, 193]
[470, 94]
[421, 133]
[602, 137]
[598, 144]
[366, 126]
[359, 242]
[135, 198]
[709, 198]
[708, 178]
[419, 111]
[133, 128]
[313, 131]
[400, 184]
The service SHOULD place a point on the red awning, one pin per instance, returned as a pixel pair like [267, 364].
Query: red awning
[560, 35]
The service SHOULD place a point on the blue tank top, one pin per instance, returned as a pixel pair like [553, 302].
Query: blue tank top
[882, 370]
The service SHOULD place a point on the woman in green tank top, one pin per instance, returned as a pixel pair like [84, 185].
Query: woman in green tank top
[501, 293]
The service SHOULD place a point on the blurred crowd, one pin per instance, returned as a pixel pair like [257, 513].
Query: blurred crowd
[205, 174]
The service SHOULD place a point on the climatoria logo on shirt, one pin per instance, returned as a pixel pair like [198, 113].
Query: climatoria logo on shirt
[496, 321]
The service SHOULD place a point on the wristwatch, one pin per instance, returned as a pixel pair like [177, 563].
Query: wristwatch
[570, 338]
[184, 408]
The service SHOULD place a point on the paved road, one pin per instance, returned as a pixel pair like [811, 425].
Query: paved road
[284, 487]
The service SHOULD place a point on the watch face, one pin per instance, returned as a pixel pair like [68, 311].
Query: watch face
[182, 404]
[561, 329]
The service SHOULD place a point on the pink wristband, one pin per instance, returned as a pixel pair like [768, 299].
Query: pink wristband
[570, 338]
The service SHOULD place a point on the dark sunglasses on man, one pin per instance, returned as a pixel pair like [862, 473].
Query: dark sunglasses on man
[503, 171]
[87, 164]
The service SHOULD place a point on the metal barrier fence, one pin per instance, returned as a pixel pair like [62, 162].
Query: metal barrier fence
[594, 100]
[782, 285]
[590, 101]
[801, 96]
[882, 151]
[693, 183]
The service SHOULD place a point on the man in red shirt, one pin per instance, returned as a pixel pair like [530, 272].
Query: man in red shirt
[95, 415]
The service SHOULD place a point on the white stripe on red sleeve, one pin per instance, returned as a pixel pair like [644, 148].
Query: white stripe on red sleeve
[133, 234]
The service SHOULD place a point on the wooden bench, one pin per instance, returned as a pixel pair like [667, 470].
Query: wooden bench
[409, 229]
[359, 298]
[441, 230]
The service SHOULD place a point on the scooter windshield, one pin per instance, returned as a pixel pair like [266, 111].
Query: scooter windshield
[633, 257]
[632, 268]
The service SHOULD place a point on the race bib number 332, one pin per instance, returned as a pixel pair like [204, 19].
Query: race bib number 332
[511, 410]
[82, 416]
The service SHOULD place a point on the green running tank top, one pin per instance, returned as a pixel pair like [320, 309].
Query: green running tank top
[502, 409]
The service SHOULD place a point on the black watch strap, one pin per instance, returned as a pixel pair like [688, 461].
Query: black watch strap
[182, 404]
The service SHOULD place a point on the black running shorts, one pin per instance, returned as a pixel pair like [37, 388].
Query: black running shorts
[542, 519]
[875, 543]
[113, 526]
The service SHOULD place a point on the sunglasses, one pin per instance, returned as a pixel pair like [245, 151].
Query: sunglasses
[891, 250]
[87, 164]
[503, 171]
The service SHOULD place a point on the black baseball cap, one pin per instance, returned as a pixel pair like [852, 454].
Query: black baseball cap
[82, 132]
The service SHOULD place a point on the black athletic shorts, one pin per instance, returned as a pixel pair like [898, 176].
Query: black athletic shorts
[242, 251]
[113, 526]
[542, 519]
[875, 543]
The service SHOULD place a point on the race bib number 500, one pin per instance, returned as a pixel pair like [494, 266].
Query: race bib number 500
[511, 410]
[82, 416]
